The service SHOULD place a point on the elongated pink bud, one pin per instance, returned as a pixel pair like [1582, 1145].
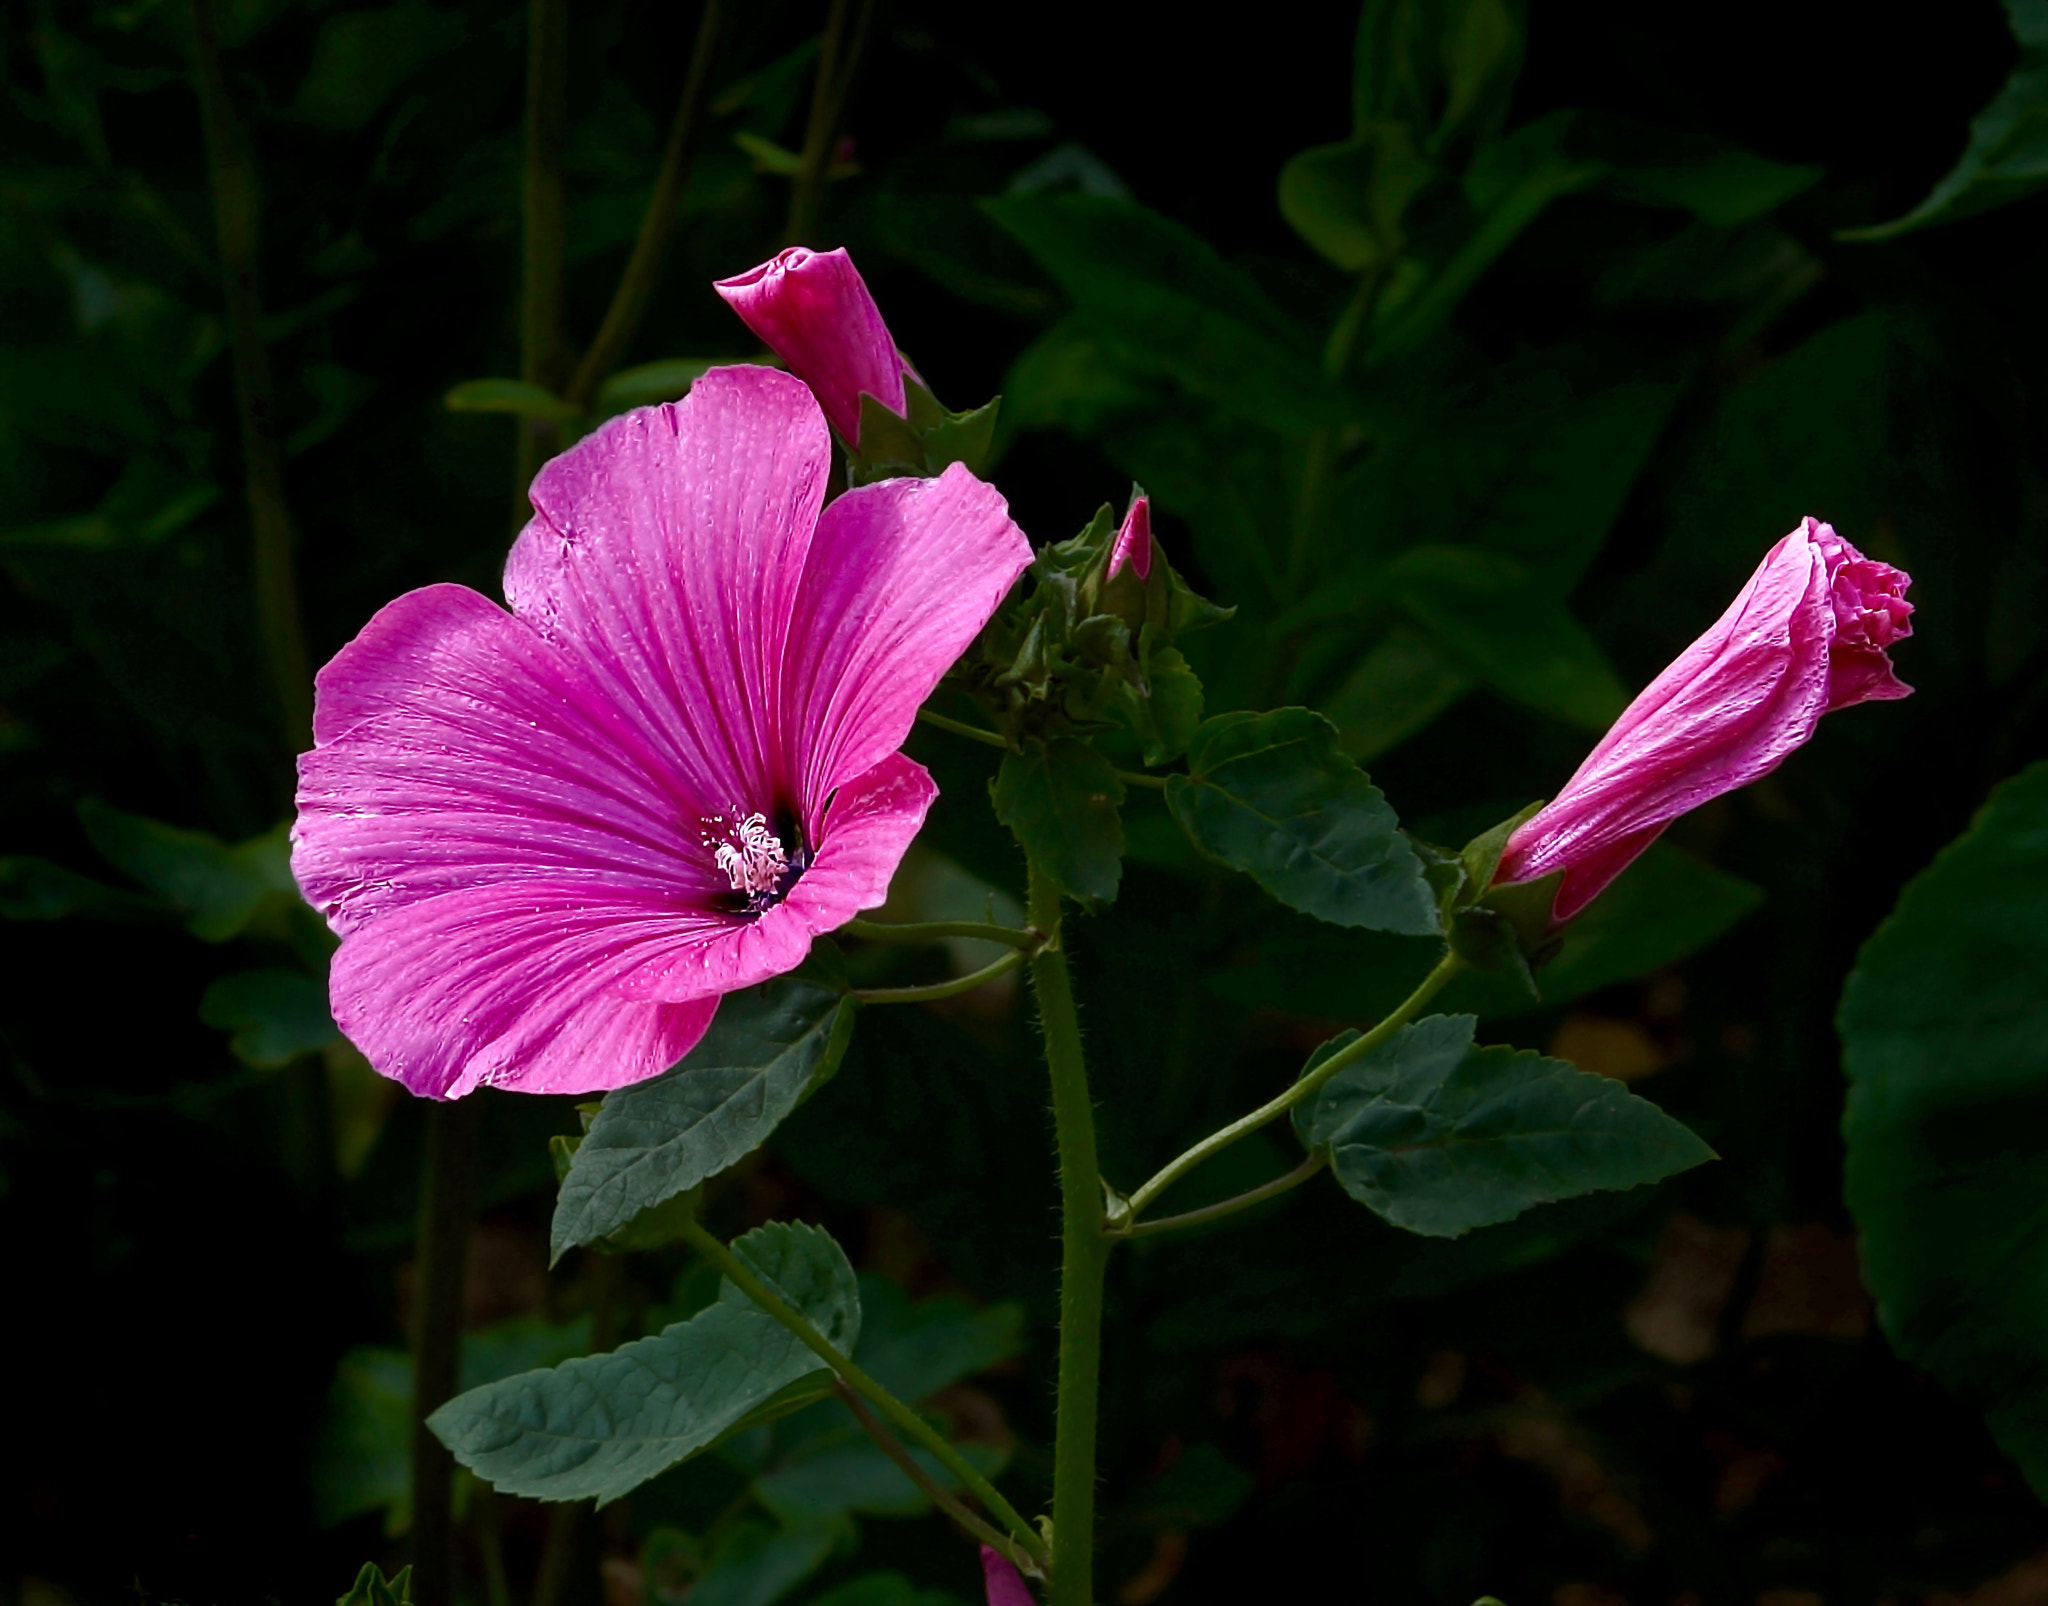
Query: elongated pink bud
[812, 309]
[1807, 635]
[1005, 1585]
[1134, 540]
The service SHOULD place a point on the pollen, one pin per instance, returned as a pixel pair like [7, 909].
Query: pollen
[750, 854]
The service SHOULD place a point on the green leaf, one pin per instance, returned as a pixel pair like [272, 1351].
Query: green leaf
[768, 1046]
[2007, 157]
[275, 1015]
[1486, 609]
[757, 1565]
[1402, 684]
[1945, 1026]
[1140, 280]
[1347, 200]
[598, 1427]
[840, 1472]
[1061, 800]
[884, 1589]
[219, 889]
[37, 889]
[1439, 1137]
[653, 382]
[1272, 795]
[372, 1588]
[517, 396]
[1165, 716]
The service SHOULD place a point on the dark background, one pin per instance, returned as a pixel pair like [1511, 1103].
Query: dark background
[1675, 1395]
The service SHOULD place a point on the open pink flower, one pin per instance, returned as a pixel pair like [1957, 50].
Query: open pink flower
[550, 839]
[813, 310]
[1807, 635]
[1005, 1584]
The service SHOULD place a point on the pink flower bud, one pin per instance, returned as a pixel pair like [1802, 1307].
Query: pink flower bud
[812, 310]
[1807, 635]
[1005, 1585]
[1134, 541]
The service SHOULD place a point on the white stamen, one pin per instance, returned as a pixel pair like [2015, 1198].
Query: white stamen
[751, 855]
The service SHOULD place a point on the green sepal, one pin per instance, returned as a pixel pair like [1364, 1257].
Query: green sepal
[372, 1588]
[1485, 939]
[921, 442]
[1481, 856]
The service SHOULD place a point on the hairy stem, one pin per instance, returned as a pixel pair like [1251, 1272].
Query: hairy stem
[906, 1463]
[1216, 1142]
[1226, 1207]
[1084, 1256]
[636, 284]
[233, 180]
[906, 1421]
[447, 1201]
[941, 931]
[540, 278]
[942, 989]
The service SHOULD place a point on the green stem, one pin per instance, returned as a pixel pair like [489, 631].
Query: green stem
[1227, 1207]
[942, 989]
[942, 931]
[838, 60]
[1274, 1108]
[906, 1463]
[907, 1421]
[1155, 783]
[235, 210]
[636, 284]
[974, 733]
[540, 279]
[1084, 1255]
[1322, 444]
[447, 1201]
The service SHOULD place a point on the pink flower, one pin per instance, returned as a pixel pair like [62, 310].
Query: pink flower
[1807, 636]
[550, 839]
[812, 309]
[1134, 541]
[1005, 1584]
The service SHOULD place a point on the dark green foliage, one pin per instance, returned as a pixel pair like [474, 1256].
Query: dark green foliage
[1945, 1028]
[1439, 1137]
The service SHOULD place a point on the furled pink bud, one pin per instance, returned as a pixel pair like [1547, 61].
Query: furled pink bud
[1807, 635]
[1005, 1585]
[812, 310]
[1134, 541]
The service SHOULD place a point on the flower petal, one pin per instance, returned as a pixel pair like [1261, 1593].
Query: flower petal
[665, 557]
[902, 576]
[457, 749]
[508, 986]
[865, 831]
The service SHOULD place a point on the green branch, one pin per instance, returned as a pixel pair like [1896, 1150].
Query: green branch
[907, 1421]
[942, 989]
[1227, 1207]
[1274, 1108]
[278, 625]
[636, 284]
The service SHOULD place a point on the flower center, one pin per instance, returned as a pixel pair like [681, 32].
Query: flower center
[758, 868]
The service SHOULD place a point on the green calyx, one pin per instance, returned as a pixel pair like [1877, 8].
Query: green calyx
[923, 441]
[1081, 650]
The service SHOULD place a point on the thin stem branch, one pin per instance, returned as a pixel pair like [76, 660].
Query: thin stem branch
[235, 209]
[1084, 1255]
[1227, 1207]
[907, 1421]
[1154, 783]
[943, 989]
[974, 733]
[540, 278]
[447, 1201]
[906, 1463]
[838, 61]
[942, 931]
[1278, 1106]
[643, 268]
